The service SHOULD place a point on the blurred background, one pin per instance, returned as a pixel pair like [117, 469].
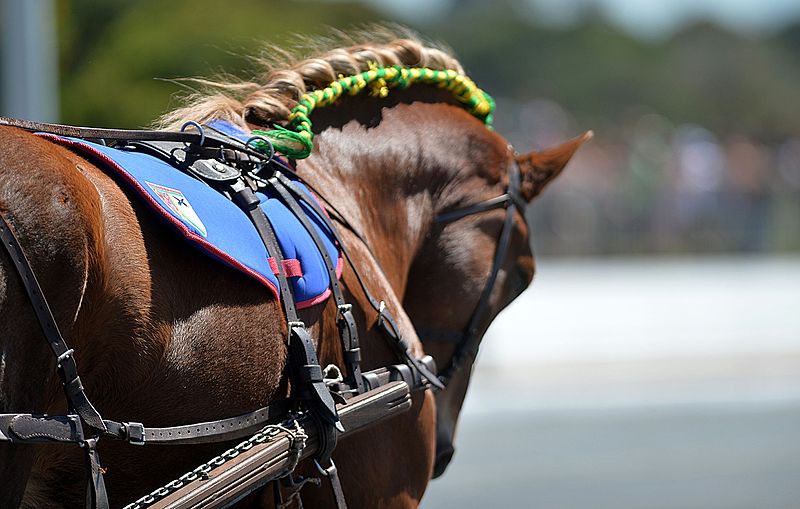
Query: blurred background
[655, 362]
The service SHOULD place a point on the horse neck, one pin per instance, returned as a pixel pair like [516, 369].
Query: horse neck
[384, 183]
[392, 168]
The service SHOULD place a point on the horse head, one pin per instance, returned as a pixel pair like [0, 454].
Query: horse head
[472, 268]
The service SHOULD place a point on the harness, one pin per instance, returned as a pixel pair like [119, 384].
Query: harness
[320, 398]
[237, 170]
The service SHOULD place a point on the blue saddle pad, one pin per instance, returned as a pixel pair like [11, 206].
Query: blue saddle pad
[217, 227]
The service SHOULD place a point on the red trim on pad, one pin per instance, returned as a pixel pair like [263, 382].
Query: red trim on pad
[182, 228]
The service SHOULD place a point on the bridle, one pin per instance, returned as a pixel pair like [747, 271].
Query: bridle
[468, 340]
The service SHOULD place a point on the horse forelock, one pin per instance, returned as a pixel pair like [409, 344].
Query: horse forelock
[286, 75]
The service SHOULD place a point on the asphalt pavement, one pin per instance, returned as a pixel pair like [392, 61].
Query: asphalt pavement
[637, 384]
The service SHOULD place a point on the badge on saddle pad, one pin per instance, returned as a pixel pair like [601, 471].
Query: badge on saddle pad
[179, 205]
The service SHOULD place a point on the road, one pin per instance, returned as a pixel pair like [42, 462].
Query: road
[637, 384]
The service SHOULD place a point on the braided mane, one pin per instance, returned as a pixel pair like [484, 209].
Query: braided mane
[284, 95]
[281, 84]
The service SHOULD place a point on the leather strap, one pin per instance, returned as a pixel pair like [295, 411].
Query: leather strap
[19, 428]
[99, 133]
[67, 369]
[210, 139]
[28, 428]
[308, 376]
[249, 203]
[199, 433]
[96, 496]
[490, 204]
[345, 321]
[385, 320]
[467, 347]
[305, 369]
[336, 485]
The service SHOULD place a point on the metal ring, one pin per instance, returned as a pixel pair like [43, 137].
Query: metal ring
[324, 471]
[265, 140]
[199, 129]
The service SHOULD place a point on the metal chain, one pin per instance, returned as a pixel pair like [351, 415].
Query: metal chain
[297, 442]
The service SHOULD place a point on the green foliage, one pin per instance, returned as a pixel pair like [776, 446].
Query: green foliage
[115, 51]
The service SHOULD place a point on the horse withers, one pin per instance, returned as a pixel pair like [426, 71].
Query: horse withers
[164, 336]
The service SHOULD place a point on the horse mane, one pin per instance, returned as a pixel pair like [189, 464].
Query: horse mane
[285, 78]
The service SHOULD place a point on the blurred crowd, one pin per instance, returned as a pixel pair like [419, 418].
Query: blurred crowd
[655, 187]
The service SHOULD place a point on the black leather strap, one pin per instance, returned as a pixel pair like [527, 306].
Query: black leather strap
[205, 139]
[492, 203]
[467, 347]
[308, 376]
[67, 369]
[27, 428]
[96, 496]
[345, 321]
[385, 320]
[305, 369]
[249, 203]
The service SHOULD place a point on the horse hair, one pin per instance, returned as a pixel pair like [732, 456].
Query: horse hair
[269, 98]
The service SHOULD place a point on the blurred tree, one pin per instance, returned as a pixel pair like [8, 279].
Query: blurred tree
[703, 74]
[112, 51]
[592, 73]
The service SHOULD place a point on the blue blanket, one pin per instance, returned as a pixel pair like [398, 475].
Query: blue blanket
[211, 223]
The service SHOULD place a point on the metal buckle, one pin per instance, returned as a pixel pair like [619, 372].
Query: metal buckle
[381, 309]
[75, 423]
[65, 355]
[344, 308]
[134, 432]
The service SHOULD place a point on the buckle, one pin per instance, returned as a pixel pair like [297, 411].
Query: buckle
[134, 432]
[381, 309]
[61, 358]
[67, 367]
[344, 308]
[75, 423]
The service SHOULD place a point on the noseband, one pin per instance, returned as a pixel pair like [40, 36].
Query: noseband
[468, 341]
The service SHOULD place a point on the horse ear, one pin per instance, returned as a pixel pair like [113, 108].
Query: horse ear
[537, 169]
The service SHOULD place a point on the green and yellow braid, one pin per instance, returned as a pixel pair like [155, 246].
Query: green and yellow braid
[296, 140]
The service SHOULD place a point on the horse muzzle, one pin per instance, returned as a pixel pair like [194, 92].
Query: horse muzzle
[444, 454]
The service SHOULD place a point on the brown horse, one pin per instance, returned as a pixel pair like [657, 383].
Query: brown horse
[164, 336]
